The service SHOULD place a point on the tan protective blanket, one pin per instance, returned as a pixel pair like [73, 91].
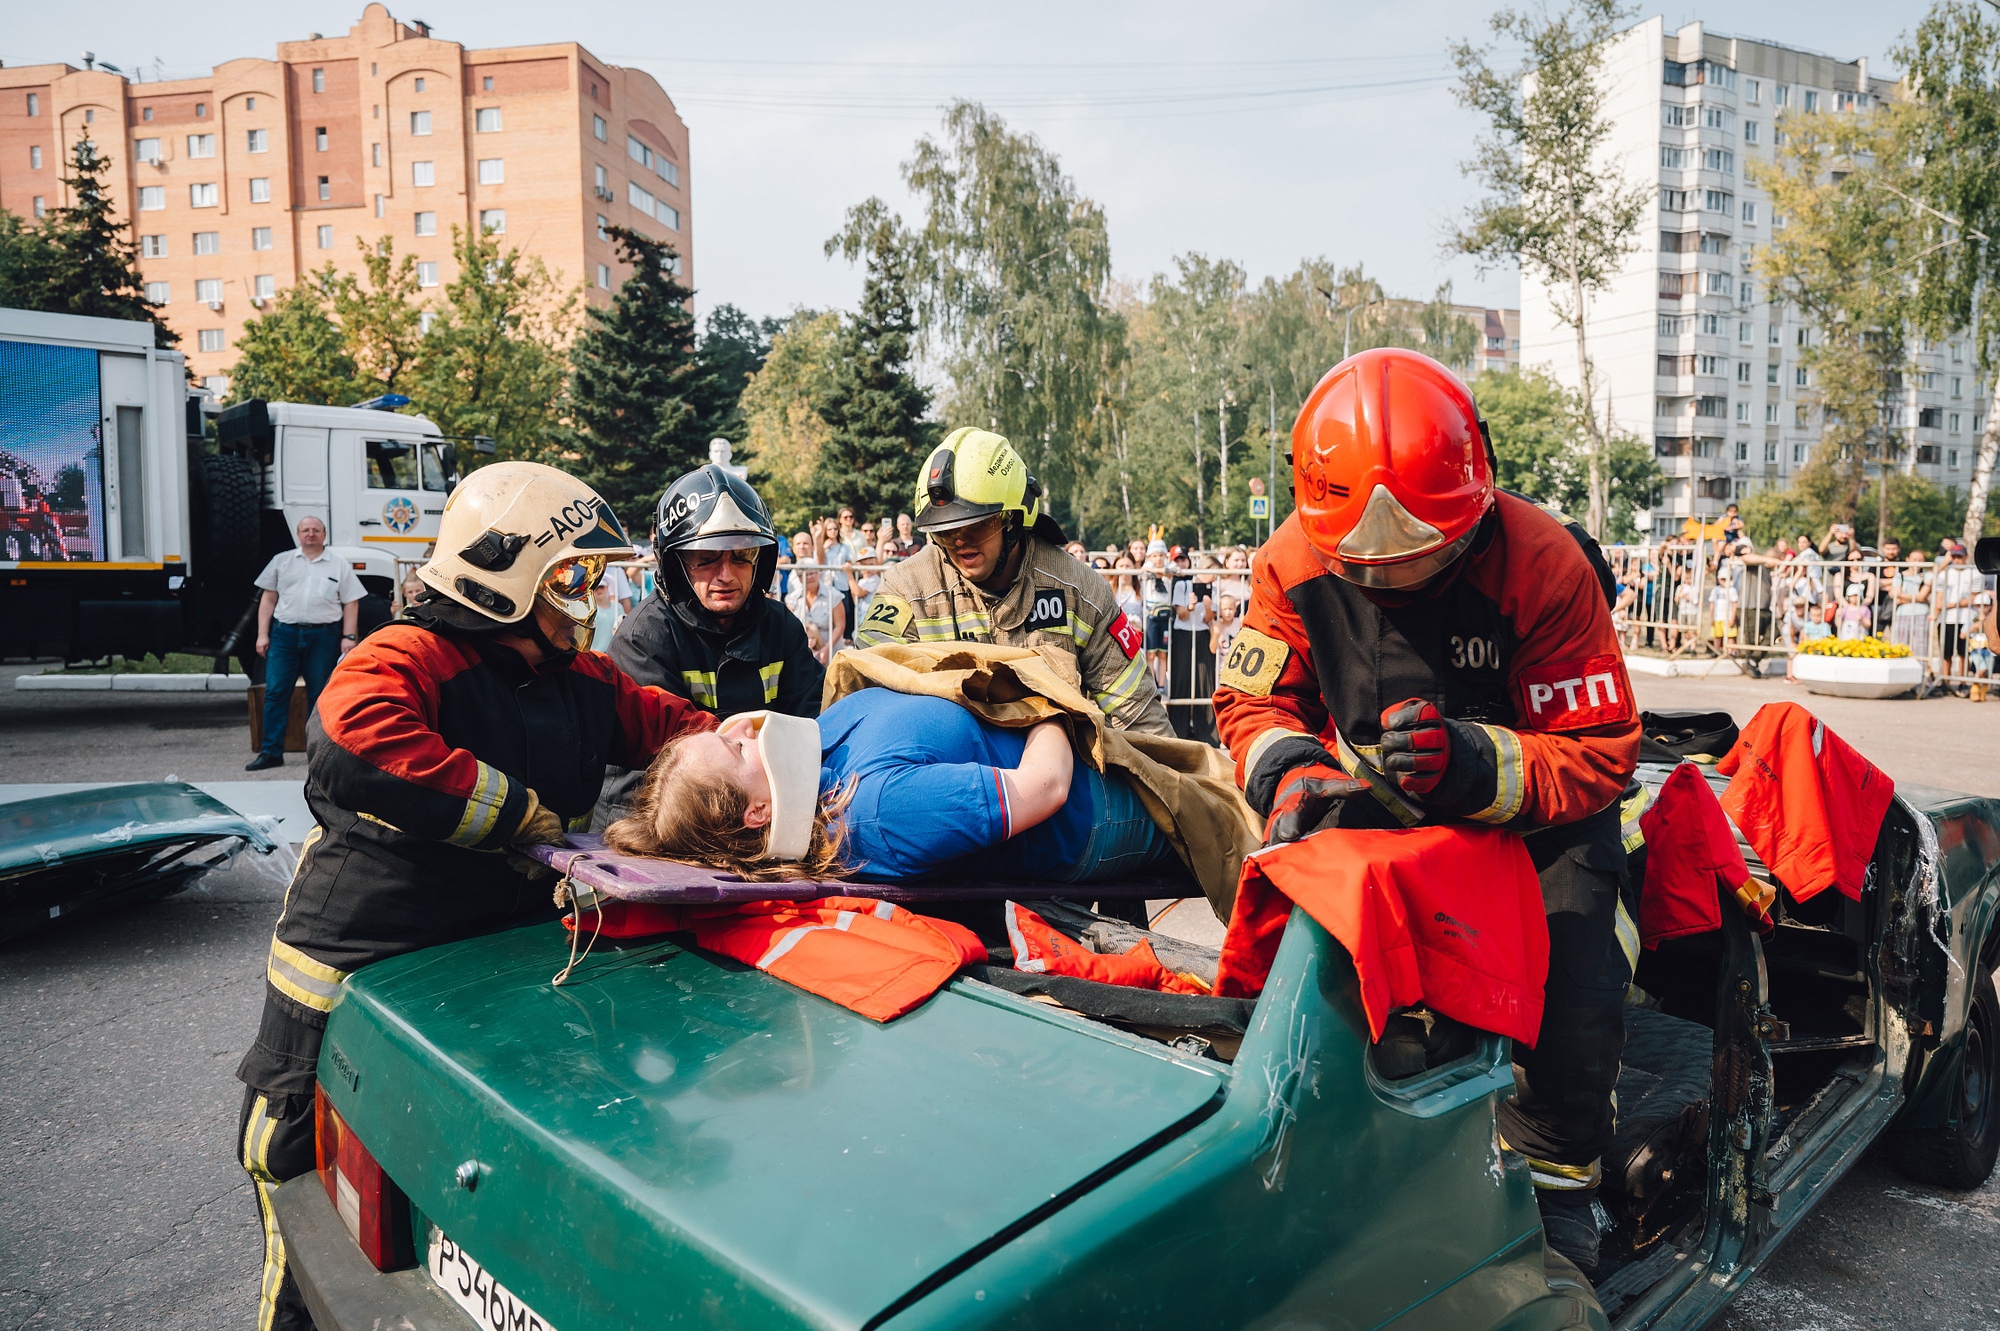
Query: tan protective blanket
[1189, 788]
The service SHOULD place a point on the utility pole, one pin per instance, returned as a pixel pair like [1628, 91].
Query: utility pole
[1347, 339]
[1272, 437]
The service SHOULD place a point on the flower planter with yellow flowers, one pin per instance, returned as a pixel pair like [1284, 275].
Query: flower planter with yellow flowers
[1857, 668]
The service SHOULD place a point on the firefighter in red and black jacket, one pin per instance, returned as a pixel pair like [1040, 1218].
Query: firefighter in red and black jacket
[471, 726]
[1421, 648]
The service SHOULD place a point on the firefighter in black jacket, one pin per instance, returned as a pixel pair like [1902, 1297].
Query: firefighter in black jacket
[710, 632]
[471, 726]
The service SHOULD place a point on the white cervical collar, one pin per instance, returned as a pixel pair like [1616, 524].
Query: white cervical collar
[788, 746]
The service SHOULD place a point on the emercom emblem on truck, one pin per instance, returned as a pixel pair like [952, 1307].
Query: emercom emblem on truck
[399, 514]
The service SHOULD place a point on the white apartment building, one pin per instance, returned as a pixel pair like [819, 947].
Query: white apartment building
[1688, 351]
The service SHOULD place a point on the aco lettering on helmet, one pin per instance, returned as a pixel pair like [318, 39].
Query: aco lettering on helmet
[1049, 609]
[1126, 635]
[574, 516]
[889, 615]
[1254, 663]
[1574, 695]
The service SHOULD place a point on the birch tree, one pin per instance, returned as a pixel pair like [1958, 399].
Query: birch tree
[1552, 203]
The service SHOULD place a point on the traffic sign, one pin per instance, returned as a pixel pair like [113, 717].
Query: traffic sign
[1260, 506]
[1256, 485]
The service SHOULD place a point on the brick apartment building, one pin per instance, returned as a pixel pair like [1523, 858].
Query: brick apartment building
[237, 183]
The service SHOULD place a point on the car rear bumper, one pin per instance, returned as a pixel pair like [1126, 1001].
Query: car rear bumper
[342, 1289]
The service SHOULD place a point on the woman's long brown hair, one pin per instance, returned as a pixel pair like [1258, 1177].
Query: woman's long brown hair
[679, 816]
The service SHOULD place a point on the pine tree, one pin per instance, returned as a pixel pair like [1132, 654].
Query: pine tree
[95, 269]
[640, 401]
[876, 409]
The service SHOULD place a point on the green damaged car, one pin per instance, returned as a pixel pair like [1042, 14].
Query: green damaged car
[674, 1139]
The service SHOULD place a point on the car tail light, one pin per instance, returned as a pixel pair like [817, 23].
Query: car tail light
[370, 1204]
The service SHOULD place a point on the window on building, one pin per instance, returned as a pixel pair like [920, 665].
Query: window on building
[1672, 367]
[427, 224]
[602, 223]
[1742, 412]
[1749, 213]
[34, 157]
[1743, 372]
[486, 120]
[1799, 377]
[319, 139]
[374, 154]
[1770, 413]
[152, 198]
[1673, 325]
[145, 150]
[1712, 243]
[1711, 365]
[1715, 407]
[90, 117]
[1781, 95]
[1811, 101]
[1674, 116]
[1952, 421]
[201, 196]
[1753, 91]
[1742, 450]
[249, 103]
[1675, 159]
[208, 242]
[1956, 384]
[1671, 284]
[1798, 453]
[381, 205]
[645, 202]
[260, 189]
[638, 151]
[603, 277]
[1803, 336]
[258, 140]
[1673, 200]
[211, 339]
[423, 174]
[1718, 117]
[667, 171]
[425, 320]
[1771, 373]
[492, 171]
[152, 247]
[1771, 451]
[1951, 458]
[1750, 131]
[603, 184]
[325, 188]
[1720, 284]
[668, 214]
[493, 221]
[420, 85]
[599, 129]
[427, 274]
[201, 145]
[1745, 332]
[208, 291]
[420, 122]
[260, 238]
[1719, 201]
[1746, 293]
[35, 106]
[1929, 418]
[319, 80]
[159, 293]
[1799, 414]
[1678, 242]
[200, 111]
[1719, 159]
[326, 237]
[486, 83]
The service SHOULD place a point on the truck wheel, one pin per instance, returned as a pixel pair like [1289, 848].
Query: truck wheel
[1960, 1155]
[224, 503]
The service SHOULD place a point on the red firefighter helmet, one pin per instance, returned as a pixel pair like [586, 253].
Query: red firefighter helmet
[1391, 468]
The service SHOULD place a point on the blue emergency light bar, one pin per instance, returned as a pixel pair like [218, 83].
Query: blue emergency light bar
[386, 402]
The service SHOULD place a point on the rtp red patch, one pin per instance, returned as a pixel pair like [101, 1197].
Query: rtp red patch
[1127, 635]
[1572, 695]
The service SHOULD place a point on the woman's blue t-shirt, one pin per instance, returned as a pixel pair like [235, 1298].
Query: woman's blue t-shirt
[928, 792]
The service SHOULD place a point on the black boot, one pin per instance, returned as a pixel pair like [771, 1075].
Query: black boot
[263, 762]
[1572, 1223]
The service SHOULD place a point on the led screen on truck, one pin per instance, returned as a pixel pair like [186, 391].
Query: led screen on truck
[51, 455]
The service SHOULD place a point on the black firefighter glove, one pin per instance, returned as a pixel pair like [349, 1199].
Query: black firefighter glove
[1447, 766]
[1305, 796]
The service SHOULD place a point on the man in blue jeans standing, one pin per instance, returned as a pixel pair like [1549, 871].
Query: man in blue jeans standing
[305, 623]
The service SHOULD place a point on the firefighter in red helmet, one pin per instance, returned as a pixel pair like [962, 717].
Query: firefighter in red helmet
[1421, 647]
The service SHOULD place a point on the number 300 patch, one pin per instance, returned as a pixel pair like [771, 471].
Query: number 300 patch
[1254, 663]
[1050, 609]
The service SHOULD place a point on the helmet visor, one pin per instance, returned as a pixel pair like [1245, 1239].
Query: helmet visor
[1399, 575]
[568, 583]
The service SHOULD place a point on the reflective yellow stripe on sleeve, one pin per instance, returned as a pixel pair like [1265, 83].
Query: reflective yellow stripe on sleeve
[769, 675]
[1265, 739]
[482, 808]
[1629, 813]
[701, 687]
[1628, 936]
[301, 979]
[1509, 791]
[1079, 628]
[1124, 688]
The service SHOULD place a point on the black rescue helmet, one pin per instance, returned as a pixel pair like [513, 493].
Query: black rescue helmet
[712, 509]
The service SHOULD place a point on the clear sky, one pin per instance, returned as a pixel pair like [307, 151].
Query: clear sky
[1259, 130]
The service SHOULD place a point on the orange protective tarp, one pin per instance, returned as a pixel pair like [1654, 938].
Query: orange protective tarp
[1042, 949]
[1806, 801]
[1689, 844]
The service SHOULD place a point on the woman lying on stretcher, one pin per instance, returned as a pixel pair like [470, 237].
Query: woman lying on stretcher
[889, 786]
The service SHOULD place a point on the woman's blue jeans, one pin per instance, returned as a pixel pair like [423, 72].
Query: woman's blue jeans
[311, 650]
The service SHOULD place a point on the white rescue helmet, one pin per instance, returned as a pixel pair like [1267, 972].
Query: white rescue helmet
[513, 531]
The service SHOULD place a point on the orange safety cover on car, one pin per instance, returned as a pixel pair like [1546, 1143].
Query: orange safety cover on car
[1808, 804]
[866, 955]
[1689, 844]
[1044, 950]
[1447, 916]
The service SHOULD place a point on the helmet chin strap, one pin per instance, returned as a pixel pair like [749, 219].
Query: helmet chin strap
[577, 634]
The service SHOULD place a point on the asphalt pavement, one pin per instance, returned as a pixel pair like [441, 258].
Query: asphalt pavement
[123, 1208]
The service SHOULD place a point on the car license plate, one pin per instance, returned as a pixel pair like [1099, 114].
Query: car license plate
[485, 1300]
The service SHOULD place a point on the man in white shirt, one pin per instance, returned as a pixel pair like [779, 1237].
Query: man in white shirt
[305, 624]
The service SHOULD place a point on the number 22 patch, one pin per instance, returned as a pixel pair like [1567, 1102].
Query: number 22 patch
[1254, 663]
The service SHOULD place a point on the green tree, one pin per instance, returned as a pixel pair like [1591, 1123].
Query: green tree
[80, 259]
[1953, 71]
[732, 347]
[1198, 334]
[381, 315]
[785, 425]
[294, 351]
[1009, 271]
[1552, 203]
[1541, 449]
[492, 362]
[876, 410]
[637, 389]
[1841, 257]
